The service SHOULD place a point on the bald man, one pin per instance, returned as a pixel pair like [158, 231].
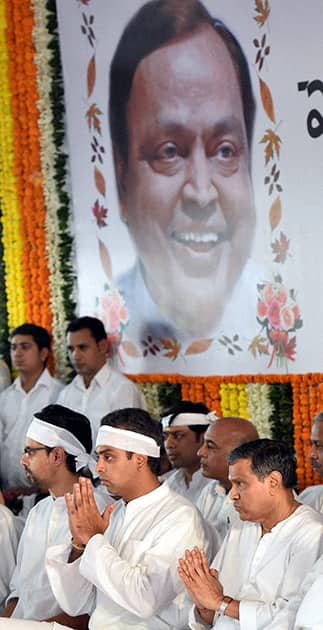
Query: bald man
[221, 437]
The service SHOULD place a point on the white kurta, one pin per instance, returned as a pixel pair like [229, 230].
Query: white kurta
[8, 547]
[313, 496]
[133, 565]
[177, 482]
[109, 390]
[310, 613]
[16, 411]
[217, 508]
[265, 572]
[46, 525]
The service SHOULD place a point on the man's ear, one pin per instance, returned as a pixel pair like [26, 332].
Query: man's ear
[141, 461]
[121, 176]
[103, 346]
[275, 480]
[58, 454]
[44, 352]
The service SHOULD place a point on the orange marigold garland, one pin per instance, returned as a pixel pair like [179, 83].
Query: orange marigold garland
[22, 75]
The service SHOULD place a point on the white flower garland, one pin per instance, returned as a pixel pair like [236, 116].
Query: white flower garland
[260, 407]
[48, 151]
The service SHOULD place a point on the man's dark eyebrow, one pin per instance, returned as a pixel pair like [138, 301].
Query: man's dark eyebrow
[227, 124]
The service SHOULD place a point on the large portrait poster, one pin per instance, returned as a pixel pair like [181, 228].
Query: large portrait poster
[197, 216]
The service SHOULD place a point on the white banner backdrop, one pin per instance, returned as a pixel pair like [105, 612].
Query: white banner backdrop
[179, 280]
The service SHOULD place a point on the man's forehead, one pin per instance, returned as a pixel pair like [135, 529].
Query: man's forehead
[317, 431]
[32, 443]
[79, 335]
[183, 428]
[105, 448]
[18, 339]
[241, 467]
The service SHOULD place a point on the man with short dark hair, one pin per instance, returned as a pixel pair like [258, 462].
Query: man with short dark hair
[57, 451]
[97, 388]
[126, 567]
[32, 389]
[313, 495]
[184, 426]
[181, 114]
[262, 561]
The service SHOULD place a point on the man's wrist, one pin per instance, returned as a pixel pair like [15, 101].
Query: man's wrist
[223, 605]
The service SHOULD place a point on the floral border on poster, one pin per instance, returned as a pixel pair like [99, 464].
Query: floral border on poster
[278, 312]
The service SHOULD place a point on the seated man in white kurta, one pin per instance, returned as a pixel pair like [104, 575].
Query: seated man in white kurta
[184, 427]
[126, 573]
[313, 495]
[58, 447]
[310, 613]
[221, 437]
[262, 562]
[97, 388]
[9, 538]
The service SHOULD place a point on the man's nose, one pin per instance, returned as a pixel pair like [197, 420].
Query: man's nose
[312, 452]
[99, 466]
[202, 452]
[169, 441]
[233, 493]
[199, 190]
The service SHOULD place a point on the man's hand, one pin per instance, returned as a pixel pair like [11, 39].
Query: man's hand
[85, 519]
[201, 582]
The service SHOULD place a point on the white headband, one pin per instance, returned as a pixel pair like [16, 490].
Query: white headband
[187, 419]
[127, 441]
[51, 435]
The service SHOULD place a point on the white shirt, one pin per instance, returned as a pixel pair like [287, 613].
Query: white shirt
[177, 482]
[109, 390]
[133, 565]
[46, 525]
[313, 496]
[5, 378]
[217, 508]
[265, 572]
[8, 547]
[310, 612]
[17, 408]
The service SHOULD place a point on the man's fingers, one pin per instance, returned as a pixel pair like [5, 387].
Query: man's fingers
[77, 495]
[69, 500]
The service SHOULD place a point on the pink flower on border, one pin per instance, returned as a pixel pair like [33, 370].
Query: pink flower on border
[273, 313]
[287, 318]
[114, 311]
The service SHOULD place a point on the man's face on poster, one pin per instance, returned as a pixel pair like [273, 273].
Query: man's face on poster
[185, 191]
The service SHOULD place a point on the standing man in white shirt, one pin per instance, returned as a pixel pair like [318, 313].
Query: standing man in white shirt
[32, 390]
[262, 561]
[220, 438]
[184, 426]
[57, 451]
[97, 389]
[9, 538]
[313, 495]
[125, 569]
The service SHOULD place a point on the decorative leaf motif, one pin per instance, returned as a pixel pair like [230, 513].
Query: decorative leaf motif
[130, 349]
[258, 345]
[275, 213]
[105, 260]
[93, 120]
[267, 100]
[198, 346]
[91, 76]
[263, 10]
[172, 346]
[99, 181]
[280, 248]
[272, 142]
[100, 214]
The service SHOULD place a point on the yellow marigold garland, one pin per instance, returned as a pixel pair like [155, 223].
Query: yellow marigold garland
[234, 400]
[12, 240]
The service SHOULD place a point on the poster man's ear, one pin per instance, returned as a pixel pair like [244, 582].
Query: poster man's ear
[120, 171]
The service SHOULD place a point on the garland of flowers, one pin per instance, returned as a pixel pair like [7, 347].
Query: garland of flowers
[42, 40]
[22, 77]
[10, 216]
[259, 407]
[281, 405]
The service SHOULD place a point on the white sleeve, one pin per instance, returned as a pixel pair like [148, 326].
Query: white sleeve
[74, 593]
[149, 575]
[8, 546]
